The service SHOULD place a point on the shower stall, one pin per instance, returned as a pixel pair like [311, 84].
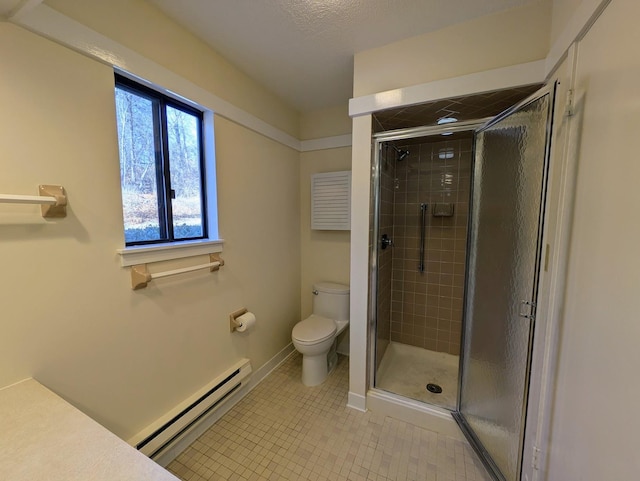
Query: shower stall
[424, 208]
[457, 220]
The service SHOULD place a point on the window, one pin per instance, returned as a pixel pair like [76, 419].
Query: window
[161, 166]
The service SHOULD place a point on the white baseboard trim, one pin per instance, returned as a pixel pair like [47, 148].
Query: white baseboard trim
[413, 412]
[270, 366]
[357, 402]
[168, 455]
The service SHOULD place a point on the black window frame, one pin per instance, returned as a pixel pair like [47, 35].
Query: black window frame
[163, 173]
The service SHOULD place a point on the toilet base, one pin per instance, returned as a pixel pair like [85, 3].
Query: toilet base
[314, 370]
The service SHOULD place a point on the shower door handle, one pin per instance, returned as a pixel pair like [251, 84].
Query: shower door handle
[423, 226]
[385, 241]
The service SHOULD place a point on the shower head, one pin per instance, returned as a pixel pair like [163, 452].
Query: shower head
[402, 154]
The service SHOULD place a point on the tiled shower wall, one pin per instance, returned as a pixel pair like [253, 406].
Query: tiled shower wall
[426, 307]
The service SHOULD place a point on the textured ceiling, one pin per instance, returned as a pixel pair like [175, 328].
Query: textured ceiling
[302, 50]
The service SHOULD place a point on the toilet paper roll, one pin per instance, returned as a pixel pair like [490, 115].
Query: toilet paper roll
[245, 321]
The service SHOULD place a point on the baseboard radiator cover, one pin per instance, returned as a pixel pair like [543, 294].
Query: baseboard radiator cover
[173, 426]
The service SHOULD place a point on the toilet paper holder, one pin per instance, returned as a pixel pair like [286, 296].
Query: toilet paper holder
[233, 319]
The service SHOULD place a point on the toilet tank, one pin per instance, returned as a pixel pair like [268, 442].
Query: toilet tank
[331, 300]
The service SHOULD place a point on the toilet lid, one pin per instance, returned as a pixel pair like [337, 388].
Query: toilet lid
[314, 329]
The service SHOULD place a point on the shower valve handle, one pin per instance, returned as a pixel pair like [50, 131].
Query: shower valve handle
[385, 242]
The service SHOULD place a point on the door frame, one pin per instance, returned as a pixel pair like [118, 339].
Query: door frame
[379, 139]
[493, 470]
[556, 237]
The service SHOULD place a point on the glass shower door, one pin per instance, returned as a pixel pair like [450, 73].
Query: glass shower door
[504, 258]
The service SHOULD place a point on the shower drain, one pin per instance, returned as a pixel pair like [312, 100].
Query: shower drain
[434, 388]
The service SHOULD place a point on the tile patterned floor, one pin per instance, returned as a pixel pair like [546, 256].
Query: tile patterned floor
[283, 430]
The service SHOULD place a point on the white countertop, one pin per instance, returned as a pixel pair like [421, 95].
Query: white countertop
[42, 437]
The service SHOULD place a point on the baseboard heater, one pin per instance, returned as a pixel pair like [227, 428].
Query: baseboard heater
[178, 422]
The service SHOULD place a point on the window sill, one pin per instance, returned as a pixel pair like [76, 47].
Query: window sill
[131, 256]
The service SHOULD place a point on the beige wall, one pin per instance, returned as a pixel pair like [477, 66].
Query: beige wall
[325, 254]
[512, 37]
[594, 420]
[325, 122]
[69, 316]
[147, 30]
[562, 12]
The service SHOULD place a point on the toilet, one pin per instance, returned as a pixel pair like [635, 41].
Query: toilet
[315, 337]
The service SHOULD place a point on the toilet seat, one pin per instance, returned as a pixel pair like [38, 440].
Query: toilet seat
[313, 330]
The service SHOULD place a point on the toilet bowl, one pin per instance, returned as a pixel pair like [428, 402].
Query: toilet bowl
[315, 336]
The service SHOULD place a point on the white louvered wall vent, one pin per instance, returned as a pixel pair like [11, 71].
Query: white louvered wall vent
[331, 201]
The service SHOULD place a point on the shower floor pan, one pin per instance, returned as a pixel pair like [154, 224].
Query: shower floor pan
[406, 370]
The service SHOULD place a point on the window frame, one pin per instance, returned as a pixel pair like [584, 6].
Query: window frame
[161, 102]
